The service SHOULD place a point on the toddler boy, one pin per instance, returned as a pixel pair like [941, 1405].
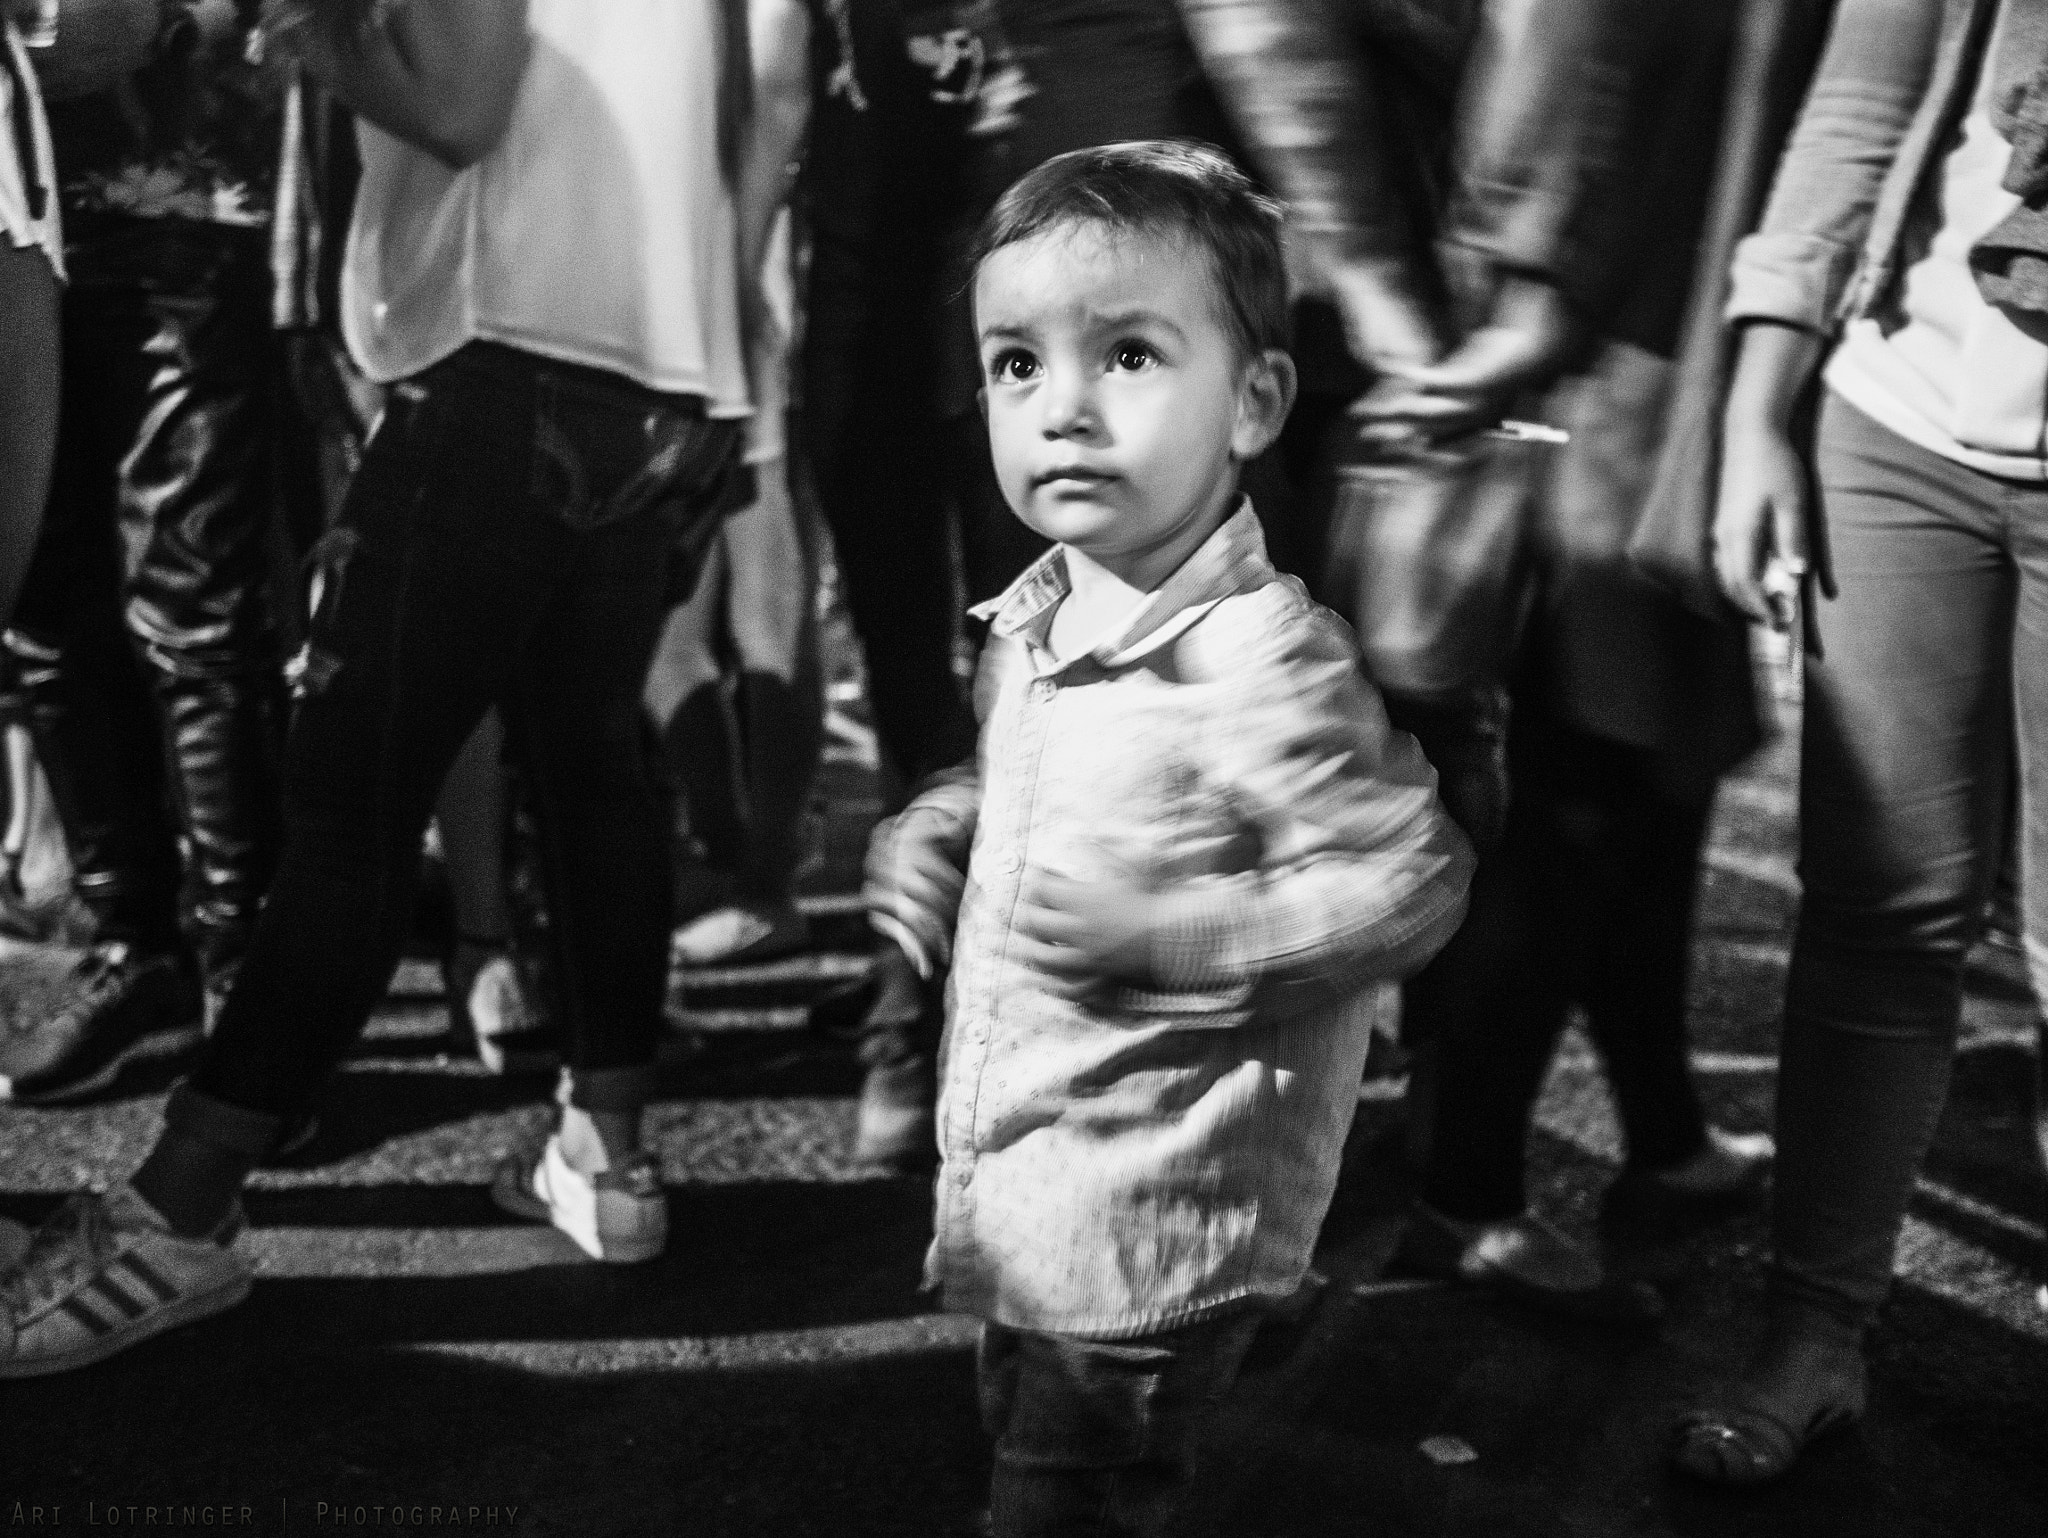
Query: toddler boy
[1186, 867]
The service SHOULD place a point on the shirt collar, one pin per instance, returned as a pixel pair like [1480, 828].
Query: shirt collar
[1231, 560]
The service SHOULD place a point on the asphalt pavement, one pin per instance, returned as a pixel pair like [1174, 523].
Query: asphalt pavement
[413, 1357]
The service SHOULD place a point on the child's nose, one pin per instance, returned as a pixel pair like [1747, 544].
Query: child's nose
[1069, 405]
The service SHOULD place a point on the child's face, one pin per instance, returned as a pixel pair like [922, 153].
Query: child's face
[1118, 406]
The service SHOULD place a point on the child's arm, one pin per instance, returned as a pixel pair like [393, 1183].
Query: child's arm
[917, 866]
[1362, 877]
[917, 860]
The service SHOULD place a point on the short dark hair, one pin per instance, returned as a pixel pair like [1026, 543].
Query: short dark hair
[1163, 187]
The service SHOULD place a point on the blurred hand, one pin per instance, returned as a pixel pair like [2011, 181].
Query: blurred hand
[1387, 324]
[1523, 341]
[913, 890]
[1760, 553]
[1082, 934]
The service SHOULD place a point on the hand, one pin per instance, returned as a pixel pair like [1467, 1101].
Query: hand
[1525, 339]
[1760, 553]
[1082, 934]
[912, 891]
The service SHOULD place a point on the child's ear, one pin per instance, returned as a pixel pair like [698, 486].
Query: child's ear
[1264, 397]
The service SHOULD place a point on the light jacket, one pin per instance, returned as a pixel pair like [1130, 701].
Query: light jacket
[1894, 82]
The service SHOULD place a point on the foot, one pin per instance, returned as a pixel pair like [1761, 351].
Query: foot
[741, 933]
[1728, 1175]
[898, 1126]
[1797, 1390]
[105, 1273]
[117, 996]
[491, 1007]
[620, 1216]
[1528, 1259]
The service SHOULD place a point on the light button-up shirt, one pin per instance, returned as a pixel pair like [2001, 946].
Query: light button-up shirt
[1127, 1161]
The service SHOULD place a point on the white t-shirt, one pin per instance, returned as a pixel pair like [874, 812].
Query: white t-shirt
[19, 225]
[599, 231]
[1958, 378]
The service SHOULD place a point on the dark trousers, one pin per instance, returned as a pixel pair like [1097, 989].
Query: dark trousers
[1934, 685]
[145, 638]
[505, 542]
[1098, 1437]
[1587, 898]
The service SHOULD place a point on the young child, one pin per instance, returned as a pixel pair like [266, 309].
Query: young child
[1192, 857]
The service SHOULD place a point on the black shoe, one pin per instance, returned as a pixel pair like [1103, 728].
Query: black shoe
[117, 997]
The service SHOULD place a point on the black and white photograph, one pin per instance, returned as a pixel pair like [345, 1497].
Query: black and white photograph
[1024, 768]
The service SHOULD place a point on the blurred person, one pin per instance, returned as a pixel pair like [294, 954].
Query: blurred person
[1181, 871]
[1571, 239]
[145, 639]
[736, 691]
[1901, 260]
[556, 205]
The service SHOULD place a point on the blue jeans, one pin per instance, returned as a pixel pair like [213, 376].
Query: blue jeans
[505, 542]
[1098, 1436]
[1933, 687]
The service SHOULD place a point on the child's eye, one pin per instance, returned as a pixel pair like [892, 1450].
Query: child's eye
[1013, 367]
[1134, 356]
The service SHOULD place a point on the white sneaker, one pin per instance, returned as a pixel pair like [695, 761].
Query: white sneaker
[620, 1216]
[741, 933]
[105, 1273]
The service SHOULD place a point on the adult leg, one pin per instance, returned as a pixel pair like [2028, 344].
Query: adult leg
[196, 500]
[89, 706]
[574, 708]
[1497, 998]
[89, 709]
[1907, 741]
[437, 576]
[28, 408]
[771, 616]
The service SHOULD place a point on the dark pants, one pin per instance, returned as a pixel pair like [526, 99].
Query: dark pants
[1099, 1436]
[145, 634]
[505, 542]
[1587, 898]
[1936, 671]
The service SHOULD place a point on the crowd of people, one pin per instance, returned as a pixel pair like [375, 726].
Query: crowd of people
[1302, 473]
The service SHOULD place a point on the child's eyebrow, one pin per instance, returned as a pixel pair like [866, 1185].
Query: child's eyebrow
[1132, 315]
[1005, 334]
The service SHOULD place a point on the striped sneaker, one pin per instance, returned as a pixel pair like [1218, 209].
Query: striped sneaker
[620, 1216]
[104, 1273]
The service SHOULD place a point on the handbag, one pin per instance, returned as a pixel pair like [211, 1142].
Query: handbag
[1430, 559]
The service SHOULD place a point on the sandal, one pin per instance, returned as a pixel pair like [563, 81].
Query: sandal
[1745, 1442]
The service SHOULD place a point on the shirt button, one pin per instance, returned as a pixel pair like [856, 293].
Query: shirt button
[1009, 862]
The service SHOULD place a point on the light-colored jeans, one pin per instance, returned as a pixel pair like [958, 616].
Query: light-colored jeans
[1934, 686]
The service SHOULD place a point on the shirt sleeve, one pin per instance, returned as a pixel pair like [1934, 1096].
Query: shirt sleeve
[1363, 876]
[1876, 67]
